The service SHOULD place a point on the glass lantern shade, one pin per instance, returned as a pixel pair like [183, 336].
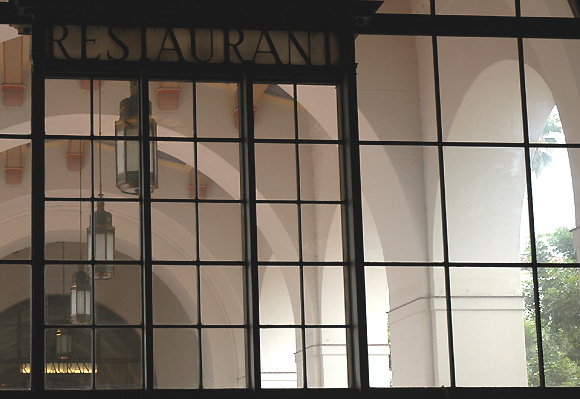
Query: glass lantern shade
[63, 344]
[80, 298]
[127, 151]
[104, 241]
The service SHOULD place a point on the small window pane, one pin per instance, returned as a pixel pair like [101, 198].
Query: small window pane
[281, 358]
[173, 226]
[220, 232]
[279, 295]
[546, 8]
[176, 358]
[68, 168]
[218, 171]
[172, 108]
[274, 111]
[224, 358]
[174, 294]
[480, 89]
[492, 316]
[319, 172]
[222, 295]
[118, 299]
[16, 87]
[176, 171]
[68, 114]
[485, 190]
[275, 171]
[326, 362]
[476, 7]
[317, 112]
[324, 295]
[69, 358]
[559, 304]
[118, 358]
[322, 233]
[278, 225]
[15, 282]
[68, 292]
[215, 104]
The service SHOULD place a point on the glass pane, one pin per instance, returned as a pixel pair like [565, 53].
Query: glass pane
[326, 363]
[174, 294]
[546, 8]
[278, 232]
[281, 358]
[275, 171]
[126, 222]
[15, 202]
[476, 7]
[559, 304]
[127, 175]
[68, 107]
[401, 203]
[176, 171]
[552, 94]
[319, 172]
[222, 295]
[118, 300]
[17, 66]
[485, 190]
[15, 282]
[67, 168]
[217, 110]
[274, 111]
[480, 89]
[176, 358]
[407, 326]
[220, 232]
[279, 295]
[224, 358]
[173, 228]
[554, 205]
[68, 293]
[69, 358]
[172, 108]
[317, 112]
[218, 170]
[118, 358]
[492, 316]
[324, 295]
[404, 7]
[322, 233]
[395, 88]
[66, 222]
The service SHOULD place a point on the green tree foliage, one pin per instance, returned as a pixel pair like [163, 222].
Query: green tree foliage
[560, 312]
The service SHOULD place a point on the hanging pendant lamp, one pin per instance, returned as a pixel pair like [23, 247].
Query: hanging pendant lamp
[127, 151]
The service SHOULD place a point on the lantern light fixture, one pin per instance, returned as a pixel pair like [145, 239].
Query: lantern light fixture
[80, 297]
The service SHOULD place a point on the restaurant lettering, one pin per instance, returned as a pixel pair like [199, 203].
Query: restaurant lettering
[223, 46]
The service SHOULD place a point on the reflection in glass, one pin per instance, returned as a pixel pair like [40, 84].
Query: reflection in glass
[321, 232]
[176, 358]
[68, 175]
[281, 358]
[493, 319]
[67, 293]
[176, 170]
[68, 114]
[319, 172]
[219, 170]
[118, 300]
[214, 105]
[274, 111]
[279, 225]
[172, 107]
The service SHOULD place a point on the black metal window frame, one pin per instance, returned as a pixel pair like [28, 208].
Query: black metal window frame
[423, 25]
